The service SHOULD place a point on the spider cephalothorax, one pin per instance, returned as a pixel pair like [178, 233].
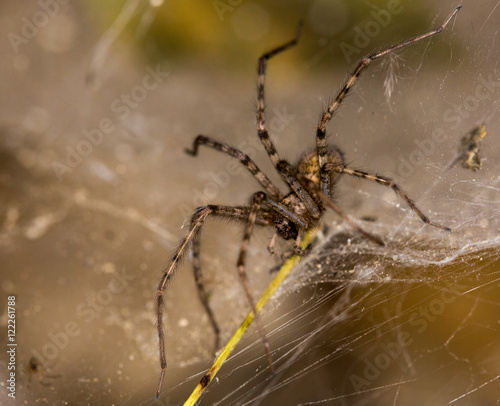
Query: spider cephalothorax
[305, 212]
[310, 191]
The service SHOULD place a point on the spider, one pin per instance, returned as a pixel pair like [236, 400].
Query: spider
[469, 149]
[311, 184]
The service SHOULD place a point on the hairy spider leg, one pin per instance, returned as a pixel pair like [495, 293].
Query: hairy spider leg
[321, 144]
[326, 199]
[261, 103]
[386, 182]
[279, 164]
[197, 220]
[257, 199]
[242, 157]
[287, 172]
[202, 294]
[272, 248]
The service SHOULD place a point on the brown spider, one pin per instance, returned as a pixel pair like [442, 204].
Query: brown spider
[469, 149]
[311, 184]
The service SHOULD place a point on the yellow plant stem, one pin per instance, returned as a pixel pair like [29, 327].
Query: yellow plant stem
[228, 349]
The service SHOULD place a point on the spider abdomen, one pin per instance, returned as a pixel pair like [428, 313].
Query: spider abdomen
[309, 166]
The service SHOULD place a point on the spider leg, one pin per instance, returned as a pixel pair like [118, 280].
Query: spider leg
[272, 245]
[256, 204]
[273, 251]
[202, 294]
[281, 166]
[242, 157]
[386, 182]
[340, 212]
[297, 250]
[286, 171]
[197, 220]
[261, 104]
[289, 214]
[321, 145]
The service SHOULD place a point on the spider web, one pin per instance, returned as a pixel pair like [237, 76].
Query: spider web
[358, 324]
[354, 323]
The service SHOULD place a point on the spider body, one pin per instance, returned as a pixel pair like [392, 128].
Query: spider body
[310, 185]
[469, 149]
[309, 167]
[309, 170]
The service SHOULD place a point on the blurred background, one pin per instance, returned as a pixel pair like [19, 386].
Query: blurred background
[99, 101]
